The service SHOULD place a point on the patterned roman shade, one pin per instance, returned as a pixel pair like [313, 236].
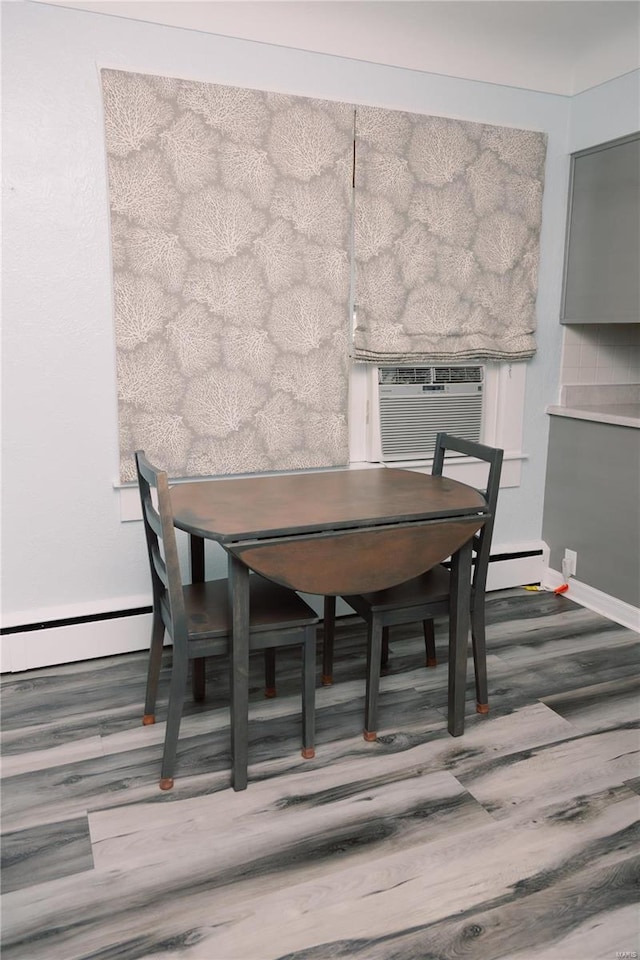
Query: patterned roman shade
[230, 219]
[447, 227]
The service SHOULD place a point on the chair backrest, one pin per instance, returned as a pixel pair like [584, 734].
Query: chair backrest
[492, 456]
[166, 578]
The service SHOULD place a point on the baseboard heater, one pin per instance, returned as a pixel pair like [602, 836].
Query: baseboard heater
[74, 621]
[41, 644]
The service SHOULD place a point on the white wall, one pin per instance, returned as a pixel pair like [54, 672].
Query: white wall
[605, 112]
[64, 550]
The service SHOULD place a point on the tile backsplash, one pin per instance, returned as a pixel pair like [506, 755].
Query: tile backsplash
[599, 353]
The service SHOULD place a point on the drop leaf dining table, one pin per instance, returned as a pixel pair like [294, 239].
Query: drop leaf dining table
[332, 532]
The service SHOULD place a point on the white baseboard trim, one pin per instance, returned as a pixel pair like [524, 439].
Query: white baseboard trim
[610, 607]
[92, 637]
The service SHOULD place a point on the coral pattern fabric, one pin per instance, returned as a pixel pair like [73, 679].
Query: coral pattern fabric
[447, 229]
[230, 219]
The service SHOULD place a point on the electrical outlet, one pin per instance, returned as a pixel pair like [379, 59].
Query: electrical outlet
[569, 563]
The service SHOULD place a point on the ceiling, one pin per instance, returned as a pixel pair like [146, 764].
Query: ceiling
[554, 46]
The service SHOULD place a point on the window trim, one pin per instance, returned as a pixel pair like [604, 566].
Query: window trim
[502, 422]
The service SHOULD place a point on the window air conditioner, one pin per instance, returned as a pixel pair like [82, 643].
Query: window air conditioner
[416, 403]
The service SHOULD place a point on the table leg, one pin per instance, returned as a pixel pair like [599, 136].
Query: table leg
[196, 554]
[459, 623]
[239, 683]
[374, 653]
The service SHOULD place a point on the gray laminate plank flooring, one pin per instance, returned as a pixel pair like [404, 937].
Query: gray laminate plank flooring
[517, 841]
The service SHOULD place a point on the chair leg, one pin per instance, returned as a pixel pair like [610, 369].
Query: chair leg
[384, 656]
[309, 693]
[478, 638]
[177, 691]
[270, 672]
[198, 681]
[327, 643]
[153, 671]
[374, 653]
[430, 642]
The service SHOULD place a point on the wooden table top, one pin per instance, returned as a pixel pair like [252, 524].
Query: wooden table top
[253, 507]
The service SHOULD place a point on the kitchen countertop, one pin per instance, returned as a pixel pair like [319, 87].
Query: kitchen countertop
[623, 414]
[604, 403]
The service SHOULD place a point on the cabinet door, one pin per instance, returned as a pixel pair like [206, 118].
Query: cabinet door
[602, 266]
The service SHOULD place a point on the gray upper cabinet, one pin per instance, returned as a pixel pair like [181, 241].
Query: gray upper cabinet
[602, 258]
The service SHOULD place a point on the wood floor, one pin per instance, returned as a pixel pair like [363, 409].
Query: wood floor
[519, 840]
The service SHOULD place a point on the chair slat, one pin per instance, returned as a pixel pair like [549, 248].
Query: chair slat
[153, 518]
[159, 565]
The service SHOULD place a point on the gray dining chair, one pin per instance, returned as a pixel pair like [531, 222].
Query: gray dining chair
[196, 618]
[428, 595]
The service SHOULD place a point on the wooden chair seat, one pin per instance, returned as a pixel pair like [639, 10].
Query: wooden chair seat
[271, 607]
[429, 588]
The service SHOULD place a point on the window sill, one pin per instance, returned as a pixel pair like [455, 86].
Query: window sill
[462, 469]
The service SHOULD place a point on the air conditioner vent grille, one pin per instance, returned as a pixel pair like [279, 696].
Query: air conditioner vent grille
[457, 374]
[405, 375]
